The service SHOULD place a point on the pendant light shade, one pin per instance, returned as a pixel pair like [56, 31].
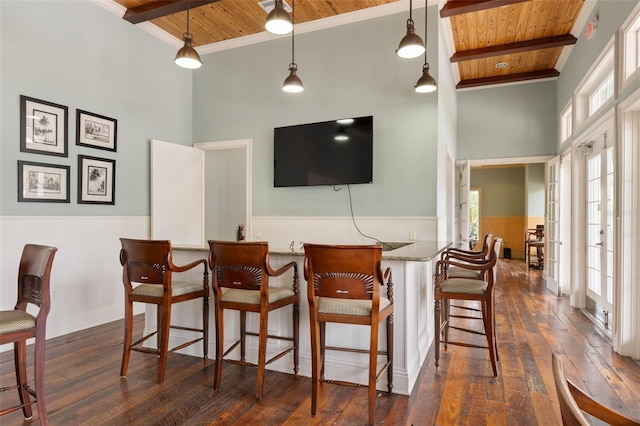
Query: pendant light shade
[278, 20]
[426, 83]
[411, 45]
[293, 84]
[187, 57]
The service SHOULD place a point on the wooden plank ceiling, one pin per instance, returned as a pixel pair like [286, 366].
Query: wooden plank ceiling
[526, 37]
[503, 41]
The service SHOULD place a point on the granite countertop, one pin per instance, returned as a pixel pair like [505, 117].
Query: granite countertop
[418, 251]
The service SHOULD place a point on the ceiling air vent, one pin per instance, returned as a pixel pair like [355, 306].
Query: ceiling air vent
[268, 5]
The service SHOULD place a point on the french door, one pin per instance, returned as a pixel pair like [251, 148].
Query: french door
[464, 176]
[552, 228]
[600, 242]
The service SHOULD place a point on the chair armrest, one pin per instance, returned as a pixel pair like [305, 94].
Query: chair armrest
[476, 265]
[464, 257]
[277, 272]
[182, 268]
[602, 412]
[387, 281]
[454, 252]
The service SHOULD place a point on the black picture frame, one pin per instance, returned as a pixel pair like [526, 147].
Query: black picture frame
[43, 127]
[96, 180]
[96, 131]
[43, 183]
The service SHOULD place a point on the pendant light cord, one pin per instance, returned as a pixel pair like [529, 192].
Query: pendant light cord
[293, 31]
[426, 3]
[188, 19]
[411, 11]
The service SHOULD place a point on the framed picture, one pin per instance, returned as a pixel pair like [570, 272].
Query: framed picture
[96, 131]
[43, 127]
[96, 180]
[38, 182]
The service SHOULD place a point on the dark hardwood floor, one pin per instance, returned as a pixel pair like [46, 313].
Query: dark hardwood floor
[83, 385]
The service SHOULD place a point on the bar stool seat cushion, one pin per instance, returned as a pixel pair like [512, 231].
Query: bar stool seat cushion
[11, 321]
[458, 272]
[252, 297]
[464, 285]
[178, 288]
[332, 305]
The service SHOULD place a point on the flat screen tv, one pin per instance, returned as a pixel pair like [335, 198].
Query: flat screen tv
[336, 152]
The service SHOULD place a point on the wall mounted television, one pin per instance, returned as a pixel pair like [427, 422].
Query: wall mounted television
[336, 152]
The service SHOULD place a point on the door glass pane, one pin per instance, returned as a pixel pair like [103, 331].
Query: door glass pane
[610, 244]
[594, 225]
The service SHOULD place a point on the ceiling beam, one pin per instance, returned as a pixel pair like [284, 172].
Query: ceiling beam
[511, 78]
[160, 8]
[518, 47]
[459, 7]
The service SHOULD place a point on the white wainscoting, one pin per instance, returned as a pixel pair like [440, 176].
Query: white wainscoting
[280, 231]
[86, 279]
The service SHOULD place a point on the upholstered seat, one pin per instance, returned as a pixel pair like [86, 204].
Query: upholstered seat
[18, 325]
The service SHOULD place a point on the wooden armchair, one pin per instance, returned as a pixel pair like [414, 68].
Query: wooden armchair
[241, 272]
[18, 325]
[147, 276]
[344, 286]
[574, 400]
[481, 290]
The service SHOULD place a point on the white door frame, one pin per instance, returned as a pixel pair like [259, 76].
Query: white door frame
[579, 149]
[245, 144]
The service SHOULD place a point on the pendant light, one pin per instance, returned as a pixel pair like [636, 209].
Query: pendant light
[411, 45]
[292, 83]
[187, 57]
[278, 20]
[426, 83]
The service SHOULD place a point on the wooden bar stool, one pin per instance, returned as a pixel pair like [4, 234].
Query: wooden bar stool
[241, 273]
[481, 290]
[344, 286]
[17, 325]
[147, 276]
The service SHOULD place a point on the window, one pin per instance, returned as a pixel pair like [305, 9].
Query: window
[631, 46]
[566, 123]
[597, 88]
[601, 95]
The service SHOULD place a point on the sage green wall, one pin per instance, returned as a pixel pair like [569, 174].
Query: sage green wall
[509, 121]
[78, 54]
[347, 71]
[503, 190]
[535, 189]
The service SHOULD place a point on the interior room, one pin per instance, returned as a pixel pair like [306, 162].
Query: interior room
[548, 139]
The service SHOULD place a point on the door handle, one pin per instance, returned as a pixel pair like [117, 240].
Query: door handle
[599, 244]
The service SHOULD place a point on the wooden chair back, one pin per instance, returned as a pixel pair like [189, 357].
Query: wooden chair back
[34, 275]
[146, 262]
[239, 265]
[343, 272]
[573, 401]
